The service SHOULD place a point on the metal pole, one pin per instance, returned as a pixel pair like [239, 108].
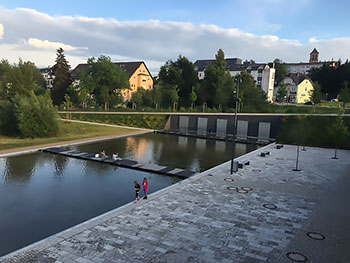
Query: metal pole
[235, 129]
[297, 161]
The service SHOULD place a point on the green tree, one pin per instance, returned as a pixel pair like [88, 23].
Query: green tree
[281, 71]
[217, 87]
[168, 94]
[281, 93]
[36, 116]
[344, 94]
[67, 104]
[62, 78]
[137, 97]
[316, 94]
[179, 73]
[253, 99]
[106, 80]
[338, 132]
[22, 79]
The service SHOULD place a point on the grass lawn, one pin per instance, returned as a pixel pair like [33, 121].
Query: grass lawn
[69, 132]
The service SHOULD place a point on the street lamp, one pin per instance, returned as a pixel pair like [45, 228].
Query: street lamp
[236, 92]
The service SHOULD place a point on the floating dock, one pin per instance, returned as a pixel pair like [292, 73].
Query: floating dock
[152, 168]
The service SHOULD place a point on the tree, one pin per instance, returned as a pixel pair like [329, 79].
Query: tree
[67, 104]
[62, 78]
[316, 94]
[22, 79]
[25, 108]
[180, 73]
[338, 133]
[344, 94]
[253, 99]
[281, 93]
[36, 116]
[106, 80]
[281, 71]
[217, 87]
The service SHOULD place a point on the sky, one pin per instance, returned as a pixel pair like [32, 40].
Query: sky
[156, 31]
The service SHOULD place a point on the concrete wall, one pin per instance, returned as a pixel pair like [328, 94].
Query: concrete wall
[253, 123]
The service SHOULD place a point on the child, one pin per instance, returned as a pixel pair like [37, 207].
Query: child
[145, 187]
[137, 188]
[116, 157]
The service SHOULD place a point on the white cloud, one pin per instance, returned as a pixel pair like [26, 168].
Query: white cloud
[46, 44]
[152, 41]
[1, 31]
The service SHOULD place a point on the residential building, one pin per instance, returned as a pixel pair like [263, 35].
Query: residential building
[299, 88]
[47, 74]
[304, 68]
[263, 74]
[138, 74]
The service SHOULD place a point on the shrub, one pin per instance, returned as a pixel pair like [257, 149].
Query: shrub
[36, 116]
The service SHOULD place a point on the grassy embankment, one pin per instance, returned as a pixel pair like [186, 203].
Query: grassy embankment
[154, 122]
[68, 132]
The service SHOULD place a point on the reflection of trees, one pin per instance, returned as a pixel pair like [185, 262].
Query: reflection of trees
[60, 163]
[21, 168]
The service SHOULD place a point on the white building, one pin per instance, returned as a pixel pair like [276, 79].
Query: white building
[47, 74]
[304, 68]
[262, 73]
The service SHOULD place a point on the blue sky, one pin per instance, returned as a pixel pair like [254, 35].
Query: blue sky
[279, 26]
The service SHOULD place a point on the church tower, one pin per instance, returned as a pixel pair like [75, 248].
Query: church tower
[314, 56]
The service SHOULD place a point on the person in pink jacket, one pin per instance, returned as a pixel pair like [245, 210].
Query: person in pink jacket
[145, 187]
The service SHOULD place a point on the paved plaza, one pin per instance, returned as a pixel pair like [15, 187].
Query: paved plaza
[263, 213]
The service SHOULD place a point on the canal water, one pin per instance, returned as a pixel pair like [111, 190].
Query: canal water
[42, 194]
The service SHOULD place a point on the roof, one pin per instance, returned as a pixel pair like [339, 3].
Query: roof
[314, 51]
[129, 67]
[232, 64]
[297, 78]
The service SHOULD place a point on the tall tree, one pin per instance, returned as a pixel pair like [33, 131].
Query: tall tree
[62, 78]
[281, 71]
[180, 73]
[21, 79]
[316, 94]
[253, 98]
[217, 87]
[344, 94]
[106, 79]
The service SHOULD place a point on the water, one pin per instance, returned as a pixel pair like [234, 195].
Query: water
[42, 194]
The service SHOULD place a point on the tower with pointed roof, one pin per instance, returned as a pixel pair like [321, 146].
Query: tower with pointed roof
[314, 56]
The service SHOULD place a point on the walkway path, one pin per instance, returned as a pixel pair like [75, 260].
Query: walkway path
[259, 214]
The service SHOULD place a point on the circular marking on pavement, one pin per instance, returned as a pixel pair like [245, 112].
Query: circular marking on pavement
[241, 191]
[278, 158]
[232, 188]
[315, 235]
[256, 170]
[248, 189]
[229, 179]
[296, 257]
[270, 206]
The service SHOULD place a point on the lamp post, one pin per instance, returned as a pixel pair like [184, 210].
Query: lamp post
[235, 123]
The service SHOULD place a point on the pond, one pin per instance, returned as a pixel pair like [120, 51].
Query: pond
[42, 194]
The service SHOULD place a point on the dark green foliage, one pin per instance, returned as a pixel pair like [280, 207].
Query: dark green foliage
[217, 87]
[281, 71]
[344, 94]
[331, 78]
[317, 131]
[252, 98]
[155, 122]
[21, 79]
[281, 93]
[36, 116]
[105, 80]
[62, 80]
[316, 94]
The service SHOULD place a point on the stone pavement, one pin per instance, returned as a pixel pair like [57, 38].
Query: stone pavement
[260, 214]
